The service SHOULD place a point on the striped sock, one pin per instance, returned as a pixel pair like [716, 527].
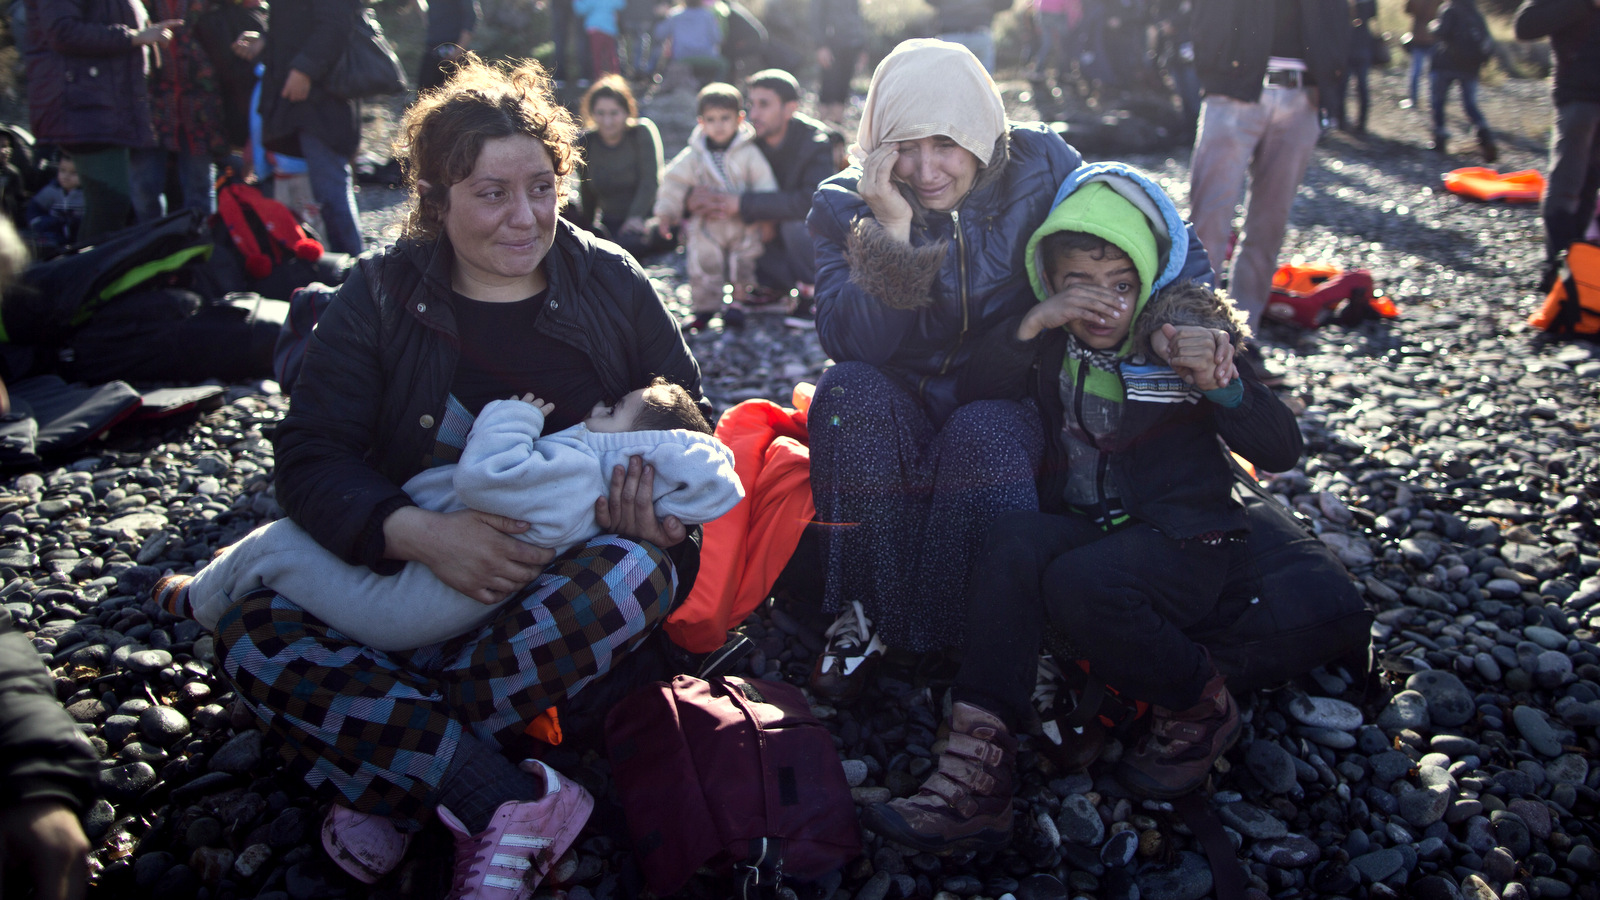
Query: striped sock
[171, 593]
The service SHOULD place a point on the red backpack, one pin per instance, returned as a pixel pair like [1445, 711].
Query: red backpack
[733, 773]
[264, 230]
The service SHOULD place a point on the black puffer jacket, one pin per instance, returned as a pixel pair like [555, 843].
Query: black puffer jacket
[43, 755]
[1233, 39]
[372, 392]
[308, 36]
[799, 164]
[1573, 27]
[86, 79]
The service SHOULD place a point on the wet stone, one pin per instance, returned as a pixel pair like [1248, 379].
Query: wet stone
[1289, 852]
[1378, 864]
[163, 725]
[1252, 821]
[126, 782]
[1449, 702]
[1079, 822]
[1271, 765]
[147, 661]
[239, 755]
[1189, 879]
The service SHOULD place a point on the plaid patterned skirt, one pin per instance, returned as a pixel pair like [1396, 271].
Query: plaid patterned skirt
[378, 730]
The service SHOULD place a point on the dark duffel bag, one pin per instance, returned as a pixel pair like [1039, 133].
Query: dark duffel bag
[1298, 608]
[733, 773]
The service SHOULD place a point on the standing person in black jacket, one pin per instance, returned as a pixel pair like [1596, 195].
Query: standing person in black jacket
[1266, 67]
[800, 151]
[87, 63]
[450, 27]
[299, 117]
[1463, 46]
[47, 775]
[1573, 27]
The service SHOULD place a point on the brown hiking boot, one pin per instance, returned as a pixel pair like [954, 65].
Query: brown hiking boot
[1177, 754]
[967, 802]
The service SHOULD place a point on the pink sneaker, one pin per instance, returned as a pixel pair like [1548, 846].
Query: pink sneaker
[507, 860]
[367, 846]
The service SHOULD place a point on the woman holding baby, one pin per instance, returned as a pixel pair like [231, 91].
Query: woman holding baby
[488, 295]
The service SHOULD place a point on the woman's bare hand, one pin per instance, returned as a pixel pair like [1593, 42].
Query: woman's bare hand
[1078, 302]
[469, 550]
[883, 197]
[630, 511]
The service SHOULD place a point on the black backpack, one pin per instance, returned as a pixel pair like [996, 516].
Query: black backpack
[1467, 44]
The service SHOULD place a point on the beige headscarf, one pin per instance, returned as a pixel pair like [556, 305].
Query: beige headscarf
[928, 87]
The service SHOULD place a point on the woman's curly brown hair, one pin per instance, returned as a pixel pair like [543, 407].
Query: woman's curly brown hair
[443, 133]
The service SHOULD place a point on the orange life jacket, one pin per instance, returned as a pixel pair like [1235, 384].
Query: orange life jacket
[1573, 305]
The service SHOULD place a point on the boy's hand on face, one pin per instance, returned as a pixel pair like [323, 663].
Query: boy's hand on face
[1077, 302]
[545, 406]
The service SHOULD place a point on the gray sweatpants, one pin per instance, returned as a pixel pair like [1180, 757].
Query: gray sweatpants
[1271, 141]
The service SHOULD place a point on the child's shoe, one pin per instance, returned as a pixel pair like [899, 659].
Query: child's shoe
[967, 801]
[366, 846]
[171, 593]
[1072, 748]
[507, 860]
[700, 321]
[843, 667]
[1176, 756]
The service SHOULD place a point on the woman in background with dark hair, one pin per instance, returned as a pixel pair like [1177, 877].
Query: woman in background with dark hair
[621, 160]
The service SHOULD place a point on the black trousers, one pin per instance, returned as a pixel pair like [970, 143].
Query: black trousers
[1125, 601]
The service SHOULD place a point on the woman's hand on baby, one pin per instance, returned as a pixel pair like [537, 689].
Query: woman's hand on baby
[1078, 302]
[469, 550]
[1202, 356]
[545, 406]
[630, 510]
[883, 197]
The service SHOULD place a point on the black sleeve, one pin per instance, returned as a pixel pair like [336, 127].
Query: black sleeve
[1260, 429]
[790, 205]
[322, 475]
[1542, 18]
[43, 755]
[332, 21]
[1000, 365]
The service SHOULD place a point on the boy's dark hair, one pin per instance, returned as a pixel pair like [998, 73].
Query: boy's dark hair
[1057, 244]
[718, 95]
[777, 81]
[680, 412]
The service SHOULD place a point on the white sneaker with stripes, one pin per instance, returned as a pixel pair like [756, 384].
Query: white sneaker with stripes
[507, 860]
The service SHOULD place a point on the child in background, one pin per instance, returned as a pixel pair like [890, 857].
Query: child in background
[722, 154]
[691, 34]
[53, 214]
[600, 23]
[1462, 44]
[553, 483]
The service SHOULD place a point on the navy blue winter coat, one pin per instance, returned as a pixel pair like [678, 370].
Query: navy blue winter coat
[86, 79]
[926, 335]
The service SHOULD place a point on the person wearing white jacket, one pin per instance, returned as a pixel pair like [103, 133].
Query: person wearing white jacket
[552, 482]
